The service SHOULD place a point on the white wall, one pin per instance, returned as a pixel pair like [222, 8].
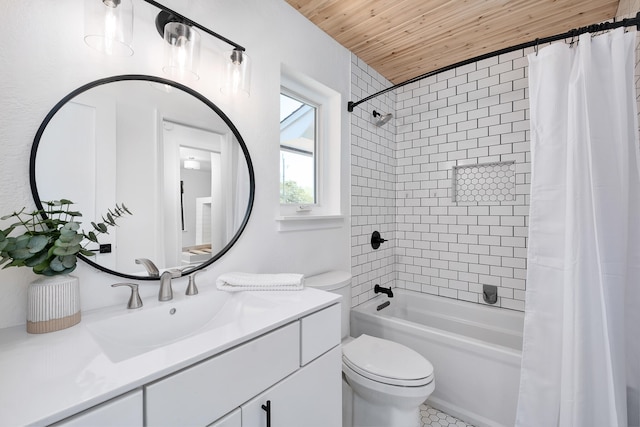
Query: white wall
[43, 58]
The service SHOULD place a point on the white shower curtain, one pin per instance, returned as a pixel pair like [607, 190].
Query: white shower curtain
[582, 324]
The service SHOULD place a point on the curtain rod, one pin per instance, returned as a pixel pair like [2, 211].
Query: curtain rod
[604, 26]
[188, 21]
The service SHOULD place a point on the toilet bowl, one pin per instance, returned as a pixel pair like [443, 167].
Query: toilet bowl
[389, 382]
[384, 382]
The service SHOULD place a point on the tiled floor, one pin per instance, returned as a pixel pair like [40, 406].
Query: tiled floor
[433, 418]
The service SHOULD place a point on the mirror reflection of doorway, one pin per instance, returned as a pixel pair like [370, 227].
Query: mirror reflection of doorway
[203, 221]
[192, 174]
[195, 174]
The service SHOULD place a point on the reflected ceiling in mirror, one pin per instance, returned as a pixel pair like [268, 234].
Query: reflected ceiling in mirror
[163, 150]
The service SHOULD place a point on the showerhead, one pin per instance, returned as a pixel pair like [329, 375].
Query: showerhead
[380, 119]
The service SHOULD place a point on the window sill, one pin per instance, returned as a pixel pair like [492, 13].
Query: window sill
[308, 222]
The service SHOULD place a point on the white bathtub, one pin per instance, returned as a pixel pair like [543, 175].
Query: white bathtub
[475, 350]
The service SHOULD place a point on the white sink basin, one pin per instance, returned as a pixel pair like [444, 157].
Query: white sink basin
[134, 332]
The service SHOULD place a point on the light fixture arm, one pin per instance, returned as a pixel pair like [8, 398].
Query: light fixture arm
[188, 21]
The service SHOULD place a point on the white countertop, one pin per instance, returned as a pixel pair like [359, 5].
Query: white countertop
[45, 378]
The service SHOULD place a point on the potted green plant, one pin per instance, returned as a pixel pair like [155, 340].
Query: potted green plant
[51, 238]
[49, 243]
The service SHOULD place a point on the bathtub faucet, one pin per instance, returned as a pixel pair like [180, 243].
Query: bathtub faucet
[377, 289]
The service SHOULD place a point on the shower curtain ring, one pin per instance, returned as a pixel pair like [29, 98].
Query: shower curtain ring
[536, 46]
[573, 37]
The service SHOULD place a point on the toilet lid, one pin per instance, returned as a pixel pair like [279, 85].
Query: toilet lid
[387, 361]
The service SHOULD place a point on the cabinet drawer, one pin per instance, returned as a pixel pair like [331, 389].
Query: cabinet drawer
[320, 332]
[203, 393]
[125, 410]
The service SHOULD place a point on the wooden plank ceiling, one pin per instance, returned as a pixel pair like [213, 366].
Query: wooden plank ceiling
[402, 39]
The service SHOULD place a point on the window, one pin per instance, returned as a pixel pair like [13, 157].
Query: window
[298, 136]
[310, 145]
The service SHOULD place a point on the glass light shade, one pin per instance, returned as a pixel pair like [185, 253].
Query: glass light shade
[237, 73]
[108, 26]
[181, 51]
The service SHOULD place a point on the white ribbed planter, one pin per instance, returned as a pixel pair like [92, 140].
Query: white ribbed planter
[53, 303]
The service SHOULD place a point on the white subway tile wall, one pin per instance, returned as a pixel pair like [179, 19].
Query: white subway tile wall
[373, 184]
[402, 181]
[474, 114]
[471, 115]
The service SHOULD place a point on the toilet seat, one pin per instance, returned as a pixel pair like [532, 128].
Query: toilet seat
[387, 362]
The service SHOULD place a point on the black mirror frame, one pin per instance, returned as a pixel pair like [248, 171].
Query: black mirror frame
[132, 77]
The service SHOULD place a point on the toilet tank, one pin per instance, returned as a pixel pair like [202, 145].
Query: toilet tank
[338, 282]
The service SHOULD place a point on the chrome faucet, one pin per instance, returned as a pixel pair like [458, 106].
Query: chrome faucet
[151, 268]
[166, 291]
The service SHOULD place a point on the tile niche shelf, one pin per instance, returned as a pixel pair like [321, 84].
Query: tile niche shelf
[484, 182]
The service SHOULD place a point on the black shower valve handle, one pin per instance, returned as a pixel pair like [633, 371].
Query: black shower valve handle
[376, 239]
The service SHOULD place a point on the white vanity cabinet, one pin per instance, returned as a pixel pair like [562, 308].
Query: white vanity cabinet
[123, 410]
[302, 390]
[281, 347]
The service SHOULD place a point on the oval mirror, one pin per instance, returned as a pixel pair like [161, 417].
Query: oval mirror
[164, 151]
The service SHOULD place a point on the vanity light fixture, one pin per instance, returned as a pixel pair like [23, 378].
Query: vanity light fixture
[237, 73]
[236, 62]
[181, 47]
[108, 26]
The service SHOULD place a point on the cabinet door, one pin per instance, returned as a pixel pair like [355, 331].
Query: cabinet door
[311, 397]
[125, 410]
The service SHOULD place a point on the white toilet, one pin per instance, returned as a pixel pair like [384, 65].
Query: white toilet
[384, 382]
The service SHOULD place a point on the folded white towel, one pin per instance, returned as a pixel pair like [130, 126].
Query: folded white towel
[234, 282]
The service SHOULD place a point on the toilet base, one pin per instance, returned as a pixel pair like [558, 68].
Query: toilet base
[370, 404]
[366, 414]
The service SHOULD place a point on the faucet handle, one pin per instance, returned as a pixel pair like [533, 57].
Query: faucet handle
[192, 289]
[134, 301]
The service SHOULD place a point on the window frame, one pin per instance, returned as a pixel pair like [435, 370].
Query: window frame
[327, 211]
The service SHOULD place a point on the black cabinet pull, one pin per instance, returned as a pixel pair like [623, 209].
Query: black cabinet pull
[267, 409]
